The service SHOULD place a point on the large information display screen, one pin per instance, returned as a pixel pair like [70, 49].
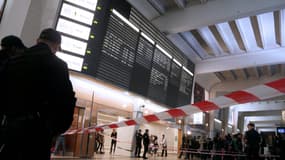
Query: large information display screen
[99, 41]
[118, 53]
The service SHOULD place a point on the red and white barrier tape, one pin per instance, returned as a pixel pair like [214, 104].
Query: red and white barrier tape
[256, 93]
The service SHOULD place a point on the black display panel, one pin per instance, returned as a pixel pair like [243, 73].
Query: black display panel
[142, 67]
[97, 40]
[185, 89]
[158, 83]
[118, 53]
[173, 85]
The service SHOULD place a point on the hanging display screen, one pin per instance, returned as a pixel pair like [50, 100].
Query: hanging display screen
[73, 62]
[104, 44]
[88, 4]
[76, 14]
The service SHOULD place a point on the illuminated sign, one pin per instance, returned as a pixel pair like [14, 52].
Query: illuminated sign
[73, 62]
[73, 29]
[77, 14]
[89, 4]
[73, 45]
[198, 118]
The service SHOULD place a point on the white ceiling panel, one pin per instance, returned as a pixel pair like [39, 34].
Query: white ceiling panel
[210, 39]
[228, 37]
[195, 44]
[247, 34]
[267, 30]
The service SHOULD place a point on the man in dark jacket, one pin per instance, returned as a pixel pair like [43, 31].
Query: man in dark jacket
[37, 100]
[252, 140]
[138, 143]
[145, 143]
[10, 46]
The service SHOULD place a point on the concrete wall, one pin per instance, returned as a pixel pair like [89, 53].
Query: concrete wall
[14, 17]
[26, 18]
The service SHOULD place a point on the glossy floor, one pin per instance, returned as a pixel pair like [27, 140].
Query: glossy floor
[114, 157]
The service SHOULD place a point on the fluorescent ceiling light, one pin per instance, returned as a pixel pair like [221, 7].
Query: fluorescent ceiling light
[125, 20]
[185, 69]
[147, 37]
[163, 51]
[178, 63]
[217, 120]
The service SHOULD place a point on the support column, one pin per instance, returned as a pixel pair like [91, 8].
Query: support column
[211, 124]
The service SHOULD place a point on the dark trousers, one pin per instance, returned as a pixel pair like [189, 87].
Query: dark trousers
[253, 153]
[138, 150]
[99, 147]
[27, 140]
[113, 146]
[164, 150]
[145, 150]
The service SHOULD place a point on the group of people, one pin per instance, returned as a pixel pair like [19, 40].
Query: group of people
[150, 144]
[37, 97]
[226, 147]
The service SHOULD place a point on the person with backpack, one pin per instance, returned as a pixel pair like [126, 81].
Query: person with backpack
[37, 100]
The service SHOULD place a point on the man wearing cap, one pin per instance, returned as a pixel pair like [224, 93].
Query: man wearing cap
[37, 100]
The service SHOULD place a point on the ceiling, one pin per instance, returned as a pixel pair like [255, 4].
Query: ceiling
[233, 40]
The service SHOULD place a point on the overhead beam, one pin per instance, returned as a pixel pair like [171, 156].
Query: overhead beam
[192, 17]
[282, 25]
[145, 8]
[258, 58]
[180, 3]
[210, 39]
[184, 45]
[158, 6]
[282, 72]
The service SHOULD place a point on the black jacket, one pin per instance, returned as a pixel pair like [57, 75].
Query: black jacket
[253, 138]
[38, 81]
[138, 139]
[146, 139]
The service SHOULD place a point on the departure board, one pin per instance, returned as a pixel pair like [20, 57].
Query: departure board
[118, 53]
[159, 76]
[142, 66]
[185, 88]
[173, 84]
[75, 23]
[99, 41]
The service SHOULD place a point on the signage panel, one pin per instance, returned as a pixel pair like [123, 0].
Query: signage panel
[89, 4]
[77, 14]
[73, 45]
[73, 62]
[73, 29]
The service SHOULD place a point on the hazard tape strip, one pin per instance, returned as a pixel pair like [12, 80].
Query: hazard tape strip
[256, 93]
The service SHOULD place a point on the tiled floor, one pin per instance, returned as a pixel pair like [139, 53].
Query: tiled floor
[114, 157]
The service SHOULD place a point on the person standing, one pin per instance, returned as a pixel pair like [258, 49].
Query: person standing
[163, 143]
[138, 143]
[145, 143]
[101, 142]
[113, 141]
[37, 100]
[252, 140]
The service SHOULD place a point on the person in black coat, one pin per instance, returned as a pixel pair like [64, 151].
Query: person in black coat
[138, 143]
[252, 140]
[37, 100]
[145, 143]
[11, 46]
[113, 141]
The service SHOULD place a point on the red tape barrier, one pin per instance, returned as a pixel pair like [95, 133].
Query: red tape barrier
[256, 93]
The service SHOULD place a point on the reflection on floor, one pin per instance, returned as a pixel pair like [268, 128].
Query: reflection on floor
[113, 157]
